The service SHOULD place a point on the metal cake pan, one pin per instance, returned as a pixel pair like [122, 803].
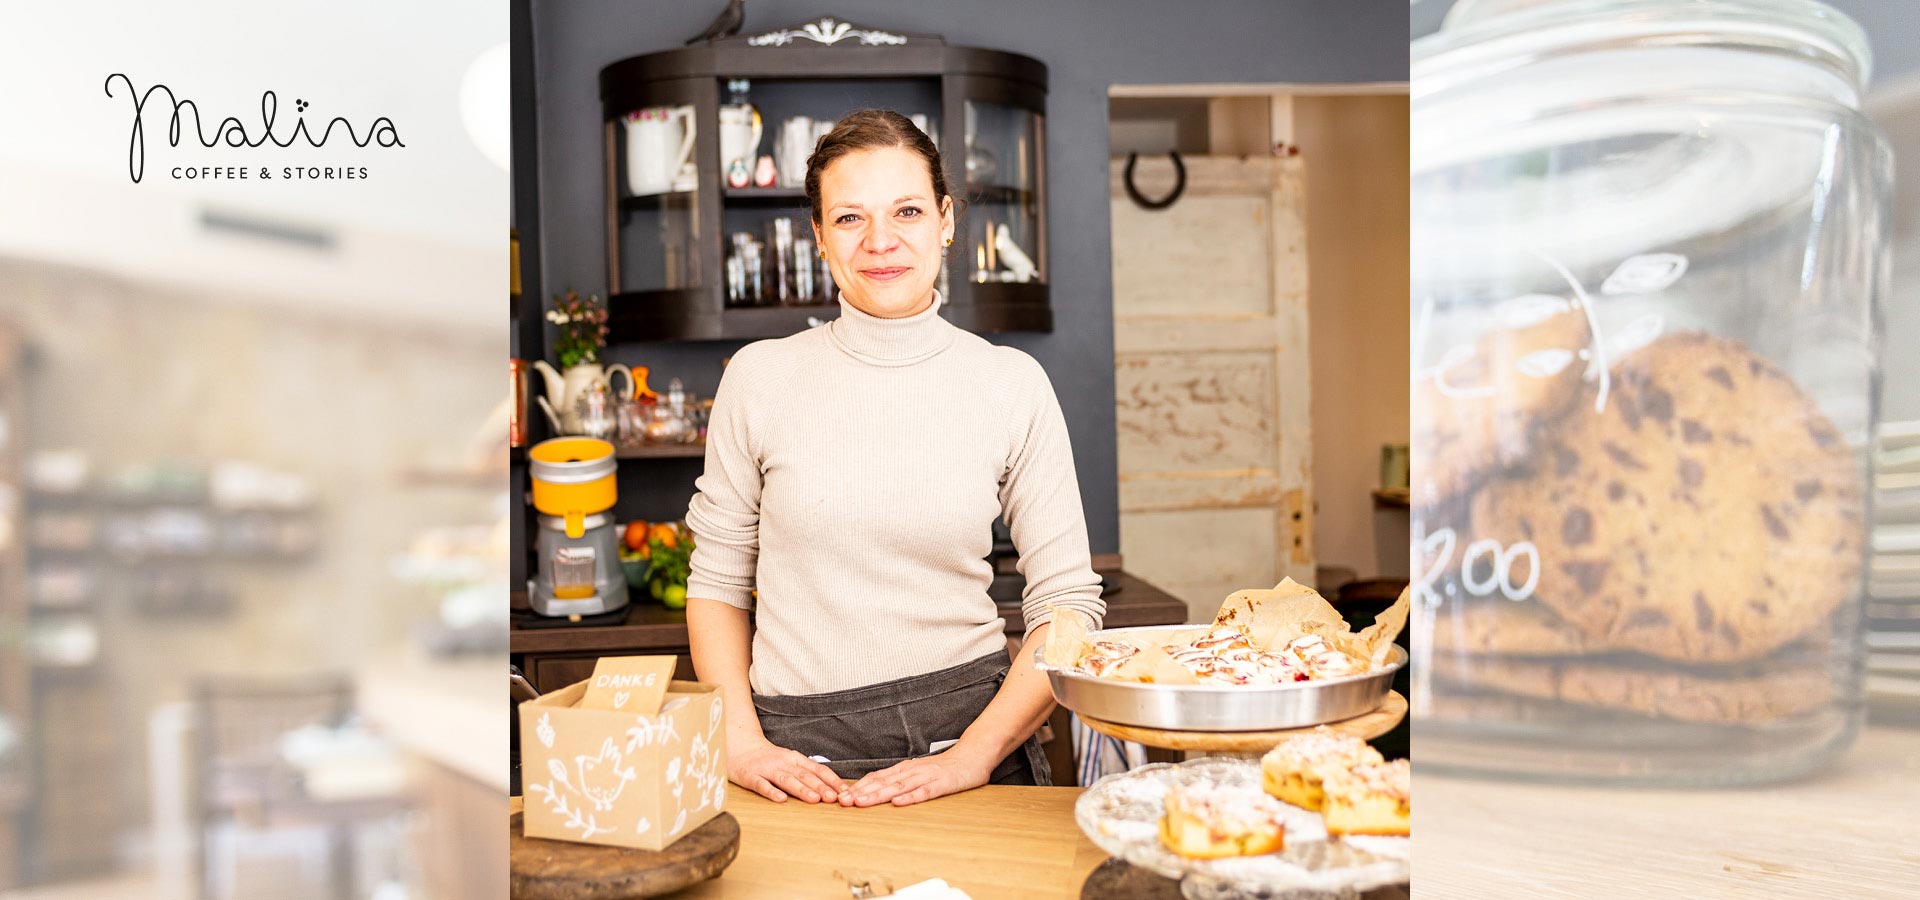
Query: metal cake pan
[1207, 707]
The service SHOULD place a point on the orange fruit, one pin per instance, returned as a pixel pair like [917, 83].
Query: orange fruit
[665, 535]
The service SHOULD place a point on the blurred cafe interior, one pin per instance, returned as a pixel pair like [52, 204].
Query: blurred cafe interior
[252, 511]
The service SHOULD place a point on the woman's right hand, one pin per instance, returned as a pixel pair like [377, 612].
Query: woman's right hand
[776, 772]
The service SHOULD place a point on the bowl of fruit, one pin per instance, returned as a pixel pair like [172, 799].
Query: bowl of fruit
[655, 558]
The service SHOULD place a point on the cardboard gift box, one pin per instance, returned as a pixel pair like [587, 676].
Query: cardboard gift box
[641, 772]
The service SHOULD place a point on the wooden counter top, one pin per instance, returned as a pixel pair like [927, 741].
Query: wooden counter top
[651, 626]
[451, 712]
[998, 841]
[1847, 832]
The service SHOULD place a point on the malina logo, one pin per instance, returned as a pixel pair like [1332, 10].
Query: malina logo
[232, 133]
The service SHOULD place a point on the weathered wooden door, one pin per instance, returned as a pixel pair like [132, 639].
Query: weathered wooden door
[1211, 377]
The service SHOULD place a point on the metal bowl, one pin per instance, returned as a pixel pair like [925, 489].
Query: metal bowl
[1218, 707]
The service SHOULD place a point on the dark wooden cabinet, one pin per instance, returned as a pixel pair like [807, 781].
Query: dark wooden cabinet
[672, 220]
[550, 672]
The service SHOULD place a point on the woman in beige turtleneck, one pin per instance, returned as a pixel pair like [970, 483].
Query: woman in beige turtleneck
[838, 595]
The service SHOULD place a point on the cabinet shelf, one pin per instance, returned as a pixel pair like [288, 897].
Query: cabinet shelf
[663, 451]
[648, 201]
[653, 316]
[998, 193]
[767, 196]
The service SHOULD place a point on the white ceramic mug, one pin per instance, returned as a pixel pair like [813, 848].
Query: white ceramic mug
[659, 145]
[739, 135]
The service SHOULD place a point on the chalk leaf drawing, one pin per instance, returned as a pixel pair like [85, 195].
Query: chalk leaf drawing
[1531, 309]
[545, 730]
[1544, 363]
[1635, 334]
[1645, 274]
[650, 731]
[576, 818]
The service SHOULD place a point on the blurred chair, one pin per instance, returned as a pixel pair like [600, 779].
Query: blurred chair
[1329, 579]
[242, 779]
[1359, 602]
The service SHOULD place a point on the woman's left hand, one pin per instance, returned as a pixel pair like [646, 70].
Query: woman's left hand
[922, 778]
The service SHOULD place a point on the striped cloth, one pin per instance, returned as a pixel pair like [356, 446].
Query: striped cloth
[1097, 755]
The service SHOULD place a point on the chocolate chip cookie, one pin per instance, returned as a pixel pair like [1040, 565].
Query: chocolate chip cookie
[1478, 408]
[1709, 512]
[1505, 628]
[1737, 695]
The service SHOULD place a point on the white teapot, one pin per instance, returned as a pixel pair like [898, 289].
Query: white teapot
[564, 391]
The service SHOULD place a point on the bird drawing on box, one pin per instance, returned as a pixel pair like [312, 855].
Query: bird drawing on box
[727, 24]
[601, 778]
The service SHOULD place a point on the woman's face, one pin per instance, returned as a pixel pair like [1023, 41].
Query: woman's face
[883, 230]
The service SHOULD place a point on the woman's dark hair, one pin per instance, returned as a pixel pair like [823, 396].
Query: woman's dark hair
[869, 129]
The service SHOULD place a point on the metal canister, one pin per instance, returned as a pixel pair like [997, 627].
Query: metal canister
[517, 431]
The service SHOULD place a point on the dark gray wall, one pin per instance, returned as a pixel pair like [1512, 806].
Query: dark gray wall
[1088, 45]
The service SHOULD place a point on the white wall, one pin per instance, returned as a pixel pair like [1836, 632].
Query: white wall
[1356, 153]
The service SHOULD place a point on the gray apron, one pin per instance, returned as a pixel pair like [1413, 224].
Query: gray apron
[867, 729]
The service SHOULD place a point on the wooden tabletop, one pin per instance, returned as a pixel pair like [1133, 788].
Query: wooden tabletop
[1851, 831]
[993, 842]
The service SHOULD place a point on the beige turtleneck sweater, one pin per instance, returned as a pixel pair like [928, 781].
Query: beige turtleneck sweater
[853, 475]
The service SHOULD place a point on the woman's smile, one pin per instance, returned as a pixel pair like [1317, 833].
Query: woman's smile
[885, 273]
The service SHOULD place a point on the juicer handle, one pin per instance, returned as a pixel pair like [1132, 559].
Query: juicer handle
[576, 524]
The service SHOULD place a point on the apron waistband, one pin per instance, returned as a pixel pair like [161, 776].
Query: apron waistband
[887, 693]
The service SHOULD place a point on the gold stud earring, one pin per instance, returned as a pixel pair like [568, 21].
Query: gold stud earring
[823, 254]
[949, 243]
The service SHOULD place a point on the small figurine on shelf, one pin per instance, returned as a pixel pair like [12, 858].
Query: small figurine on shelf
[764, 172]
[636, 411]
[668, 424]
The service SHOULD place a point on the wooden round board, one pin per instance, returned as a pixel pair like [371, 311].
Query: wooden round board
[567, 870]
[1367, 727]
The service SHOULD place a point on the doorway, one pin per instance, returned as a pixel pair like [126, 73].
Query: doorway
[1252, 400]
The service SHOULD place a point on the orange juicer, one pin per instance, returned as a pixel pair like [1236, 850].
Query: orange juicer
[574, 489]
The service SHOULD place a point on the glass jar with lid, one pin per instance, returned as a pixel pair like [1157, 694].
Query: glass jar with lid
[1649, 238]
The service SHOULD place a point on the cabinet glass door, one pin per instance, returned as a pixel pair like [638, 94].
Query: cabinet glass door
[1003, 224]
[658, 185]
